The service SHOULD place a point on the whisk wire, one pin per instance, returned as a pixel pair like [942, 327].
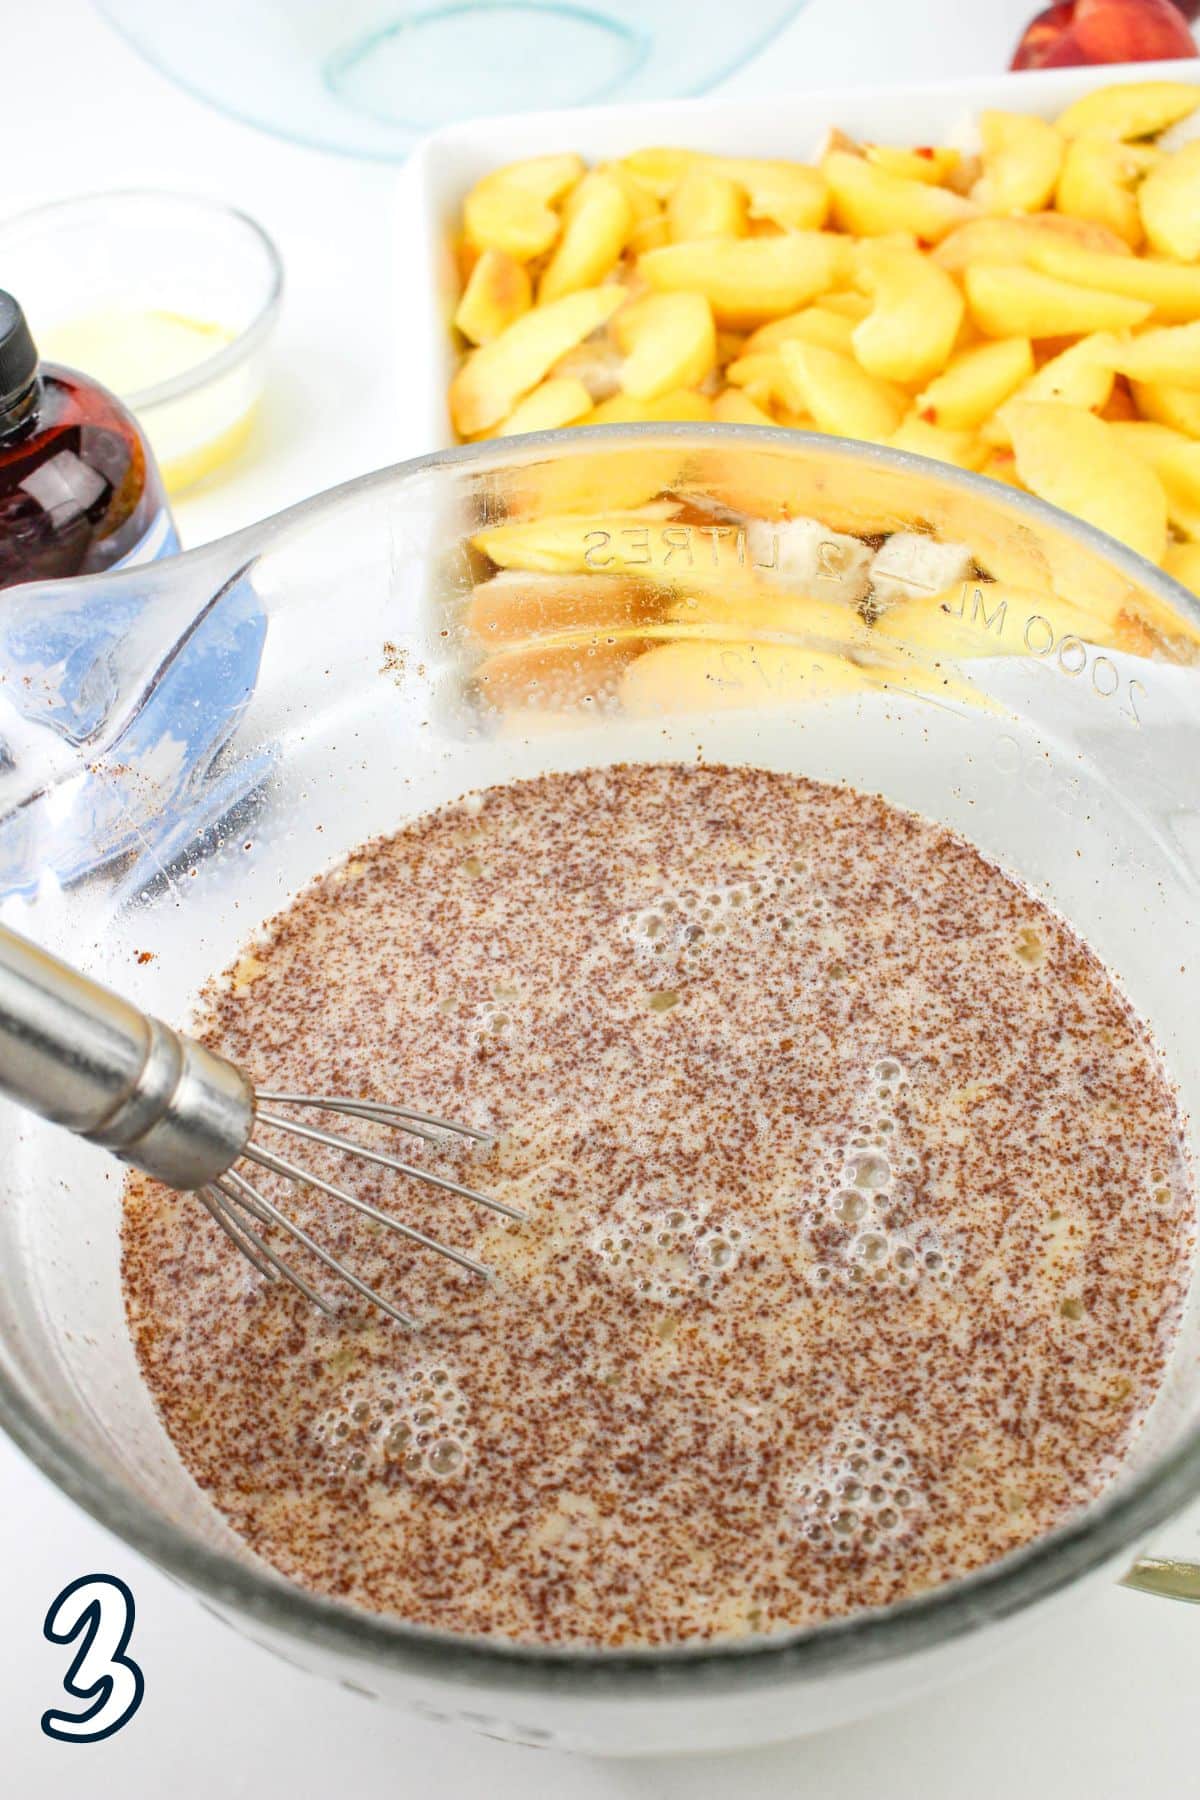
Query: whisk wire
[403, 1117]
[254, 1252]
[220, 1200]
[307, 1178]
[247, 1199]
[333, 1141]
[324, 1256]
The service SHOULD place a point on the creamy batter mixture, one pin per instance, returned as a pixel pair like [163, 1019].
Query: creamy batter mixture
[860, 1218]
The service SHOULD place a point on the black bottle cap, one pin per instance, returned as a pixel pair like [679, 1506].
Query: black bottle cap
[18, 352]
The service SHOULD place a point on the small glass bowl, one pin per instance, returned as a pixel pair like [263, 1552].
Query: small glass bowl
[169, 300]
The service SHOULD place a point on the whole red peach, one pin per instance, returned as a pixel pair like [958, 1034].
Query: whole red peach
[1106, 31]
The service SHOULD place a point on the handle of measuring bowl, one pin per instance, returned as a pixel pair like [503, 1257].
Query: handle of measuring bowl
[1165, 1576]
[117, 694]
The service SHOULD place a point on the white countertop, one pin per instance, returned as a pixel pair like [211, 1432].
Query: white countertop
[1101, 1704]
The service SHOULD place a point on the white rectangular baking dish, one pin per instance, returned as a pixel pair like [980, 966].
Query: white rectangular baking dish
[442, 169]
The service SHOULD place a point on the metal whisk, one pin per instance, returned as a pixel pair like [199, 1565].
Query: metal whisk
[79, 1055]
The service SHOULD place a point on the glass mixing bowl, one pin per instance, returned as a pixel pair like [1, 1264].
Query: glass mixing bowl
[369, 77]
[185, 745]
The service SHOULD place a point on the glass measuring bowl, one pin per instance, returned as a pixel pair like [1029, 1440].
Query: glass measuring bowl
[187, 744]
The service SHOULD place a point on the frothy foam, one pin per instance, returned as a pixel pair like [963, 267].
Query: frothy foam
[863, 1228]
[683, 924]
[860, 1495]
[417, 1422]
[664, 1250]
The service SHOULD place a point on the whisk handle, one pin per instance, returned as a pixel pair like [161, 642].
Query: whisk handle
[79, 1055]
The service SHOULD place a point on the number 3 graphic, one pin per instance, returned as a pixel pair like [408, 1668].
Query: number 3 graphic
[98, 1609]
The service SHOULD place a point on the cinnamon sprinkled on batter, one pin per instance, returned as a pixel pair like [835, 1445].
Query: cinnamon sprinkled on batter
[861, 1218]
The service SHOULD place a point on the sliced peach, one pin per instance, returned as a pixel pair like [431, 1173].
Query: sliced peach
[750, 280]
[764, 376]
[962, 448]
[912, 327]
[1008, 301]
[649, 234]
[498, 291]
[930, 163]
[679, 406]
[733, 407]
[1013, 240]
[547, 677]
[494, 377]
[1076, 461]
[851, 305]
[516, 605]
[706, 205]
[643, 203]
[512, 209]
[1129, 109]
[1098, 180]
[548, 178]
[1169, 355]
[649, 227]
[788, 194]
[605, 543]
[669, 341]
[509, 219]
[1178, 407]
[1175, 459]
[1022, 155]
[555, 403]
[840, 395]
[593, 479]
[1169, 200]
[1182, 561]
[938, 624]
[1081, 375]
[718, 677]
[868, 200]
[765, 616]
[661, 170]
[597, 220]
[813, 324]
[1172, 289]
[986, 619]
[975, 382]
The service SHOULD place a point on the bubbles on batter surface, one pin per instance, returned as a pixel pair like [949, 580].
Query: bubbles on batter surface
[494, 1019]
[860, 1495]
[416, 1422]
[666, 1250]
[681, 924]
[858, 1229]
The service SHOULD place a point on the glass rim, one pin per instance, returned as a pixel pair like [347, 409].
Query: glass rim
[218, 362]
[1109, 1528]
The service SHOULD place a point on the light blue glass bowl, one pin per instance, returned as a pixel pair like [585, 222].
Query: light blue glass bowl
[369, 77]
